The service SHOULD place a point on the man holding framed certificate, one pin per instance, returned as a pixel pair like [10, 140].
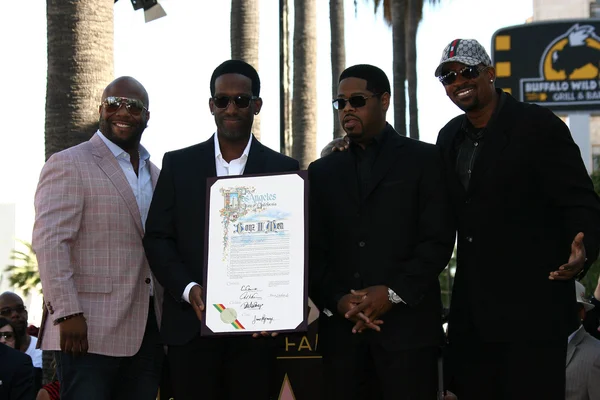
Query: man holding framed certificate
[175, 238]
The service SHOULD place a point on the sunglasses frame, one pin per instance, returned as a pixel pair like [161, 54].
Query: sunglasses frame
[234, 100]
[7, 311]
[129, 103]
[475, 71]
[336, 102]
[8, 336]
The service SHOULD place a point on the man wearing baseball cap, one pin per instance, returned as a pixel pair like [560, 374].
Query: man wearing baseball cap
[583, 356]
[527, 218]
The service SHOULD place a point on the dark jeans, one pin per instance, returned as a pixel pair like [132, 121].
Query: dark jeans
[98, 377]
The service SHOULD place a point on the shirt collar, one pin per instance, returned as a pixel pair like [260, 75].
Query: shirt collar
[378, 139]
[218, 147]
[117, 151]
[572, 335]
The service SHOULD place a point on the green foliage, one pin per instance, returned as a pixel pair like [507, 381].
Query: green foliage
[590, 280]
[23, 272]
[447, 279]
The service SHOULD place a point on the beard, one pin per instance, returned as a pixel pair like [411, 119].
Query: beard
[234, 135]
[126, 143]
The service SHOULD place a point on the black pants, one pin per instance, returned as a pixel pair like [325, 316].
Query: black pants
[223, 368]
[364, 370]
[507, 371]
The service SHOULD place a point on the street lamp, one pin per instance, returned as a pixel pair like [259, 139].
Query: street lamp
[152, 10]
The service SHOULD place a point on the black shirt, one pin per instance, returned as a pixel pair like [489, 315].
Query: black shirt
[469, 143]
[365, 159]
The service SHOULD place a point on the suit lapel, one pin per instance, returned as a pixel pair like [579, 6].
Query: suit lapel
[572, 347]
[347, 171]
[388, 155]
[447, 143]
[109, 164]
[154, 173]
[208, 166]
[256, 158]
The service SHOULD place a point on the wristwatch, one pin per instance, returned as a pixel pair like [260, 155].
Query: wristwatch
[393, 297]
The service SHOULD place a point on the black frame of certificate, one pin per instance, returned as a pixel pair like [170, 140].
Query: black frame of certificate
[303, 326]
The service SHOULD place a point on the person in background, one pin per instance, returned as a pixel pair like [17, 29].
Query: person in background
[8, 334]
[591, 323]
[16, 368]
[583, 356]
[11, 306]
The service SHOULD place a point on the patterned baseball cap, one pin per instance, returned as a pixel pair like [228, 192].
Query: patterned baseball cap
[465, 51]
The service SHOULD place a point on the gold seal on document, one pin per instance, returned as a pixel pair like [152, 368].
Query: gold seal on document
[228, 315]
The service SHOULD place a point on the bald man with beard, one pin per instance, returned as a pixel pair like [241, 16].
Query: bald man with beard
[103, 304]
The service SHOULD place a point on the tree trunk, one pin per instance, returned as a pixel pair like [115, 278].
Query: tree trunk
[412, 23]
[80, 65]
[338, 55]
[304, 118]
[285, 80]
[244, 38]
[399, 64]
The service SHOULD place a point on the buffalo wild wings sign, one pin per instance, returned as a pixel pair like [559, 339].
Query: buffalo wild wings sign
[555, 64]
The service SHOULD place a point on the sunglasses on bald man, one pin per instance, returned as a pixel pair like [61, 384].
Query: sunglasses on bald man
[134, 106]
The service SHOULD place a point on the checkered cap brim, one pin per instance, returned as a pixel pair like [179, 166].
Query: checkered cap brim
[465, 51]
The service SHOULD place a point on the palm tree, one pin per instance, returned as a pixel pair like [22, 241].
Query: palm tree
[338, 54]
[404, 16]
[397, 13]
[80, 65]
[24, 273]
[394, 12]
[285, 80]
[304, 119]
[244, 34]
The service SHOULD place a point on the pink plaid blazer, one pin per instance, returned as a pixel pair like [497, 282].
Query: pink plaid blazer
[88, 240]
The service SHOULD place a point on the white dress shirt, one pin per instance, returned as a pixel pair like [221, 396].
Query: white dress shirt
[141, 183]
[224, 168]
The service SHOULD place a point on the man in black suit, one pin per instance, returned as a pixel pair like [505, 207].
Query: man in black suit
[233, 367]
[527, 216]
[380, 234]
[16, 374]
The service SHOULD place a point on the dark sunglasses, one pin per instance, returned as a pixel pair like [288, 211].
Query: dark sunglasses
[134, 106]
[7, 335]
[355, 101]
[239, 101]
[7, 311]
[467, 73]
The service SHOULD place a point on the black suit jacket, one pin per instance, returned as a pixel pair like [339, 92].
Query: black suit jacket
[175, 228]
[16, 375]
[529, 196]
[399, 234]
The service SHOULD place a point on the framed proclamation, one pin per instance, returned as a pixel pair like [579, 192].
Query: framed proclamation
[255, 268]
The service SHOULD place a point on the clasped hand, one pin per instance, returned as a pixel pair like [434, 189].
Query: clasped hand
[364, 307]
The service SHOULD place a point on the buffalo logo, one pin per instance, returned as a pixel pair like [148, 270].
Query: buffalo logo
[569, 69]
[572, 56]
